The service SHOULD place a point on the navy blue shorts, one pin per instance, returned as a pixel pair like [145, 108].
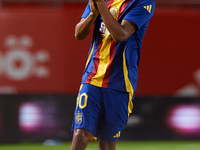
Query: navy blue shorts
[103, 112]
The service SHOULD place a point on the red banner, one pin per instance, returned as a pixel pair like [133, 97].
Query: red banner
[39, 54]
[170, 59]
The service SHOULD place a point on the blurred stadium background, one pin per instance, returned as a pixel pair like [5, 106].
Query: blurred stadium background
[41, 65]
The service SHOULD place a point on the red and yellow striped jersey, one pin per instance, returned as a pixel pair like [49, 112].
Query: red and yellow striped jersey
[115, 65]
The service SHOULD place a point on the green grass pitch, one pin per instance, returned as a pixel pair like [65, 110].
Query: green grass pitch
[121, 145]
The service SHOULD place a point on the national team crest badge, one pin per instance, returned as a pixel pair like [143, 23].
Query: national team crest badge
[78, 118]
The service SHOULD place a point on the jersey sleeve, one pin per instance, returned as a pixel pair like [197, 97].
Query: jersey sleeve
[87, 11]
[141, 13]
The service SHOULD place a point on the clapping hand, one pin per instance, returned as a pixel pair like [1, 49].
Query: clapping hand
[93, 7]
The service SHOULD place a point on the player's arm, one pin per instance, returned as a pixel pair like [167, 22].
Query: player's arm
[83, 28]
[119, 32]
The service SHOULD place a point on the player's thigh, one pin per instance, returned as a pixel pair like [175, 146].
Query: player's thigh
[87, 108]
[80, 139]
[104, 145]
[116, 114]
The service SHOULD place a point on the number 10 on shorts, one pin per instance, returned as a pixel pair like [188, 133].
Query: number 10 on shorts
[82, 100]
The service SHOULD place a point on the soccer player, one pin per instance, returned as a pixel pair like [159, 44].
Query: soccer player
[106, 94]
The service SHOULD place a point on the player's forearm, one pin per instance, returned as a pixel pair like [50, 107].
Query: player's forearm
[113, 26]
[83, 28]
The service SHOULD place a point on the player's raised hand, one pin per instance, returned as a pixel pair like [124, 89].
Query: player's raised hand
[93, 7]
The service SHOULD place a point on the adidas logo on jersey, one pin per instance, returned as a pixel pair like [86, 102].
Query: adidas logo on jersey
[117, 135]
[148, 8]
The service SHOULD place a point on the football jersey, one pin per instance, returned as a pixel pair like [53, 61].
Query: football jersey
[115, 65]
